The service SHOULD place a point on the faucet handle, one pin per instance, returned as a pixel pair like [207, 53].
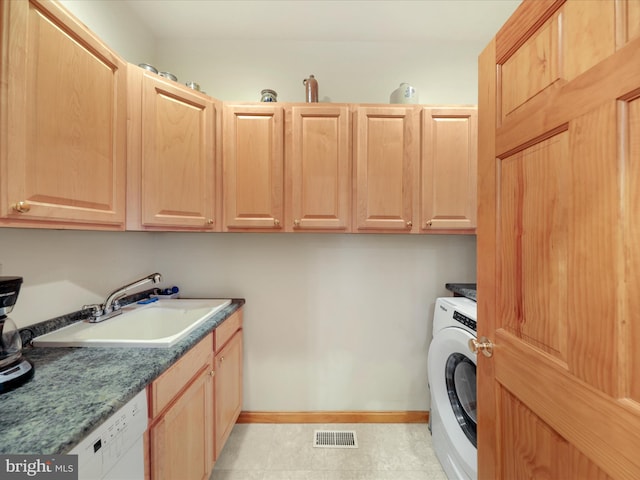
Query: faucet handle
[96, 309]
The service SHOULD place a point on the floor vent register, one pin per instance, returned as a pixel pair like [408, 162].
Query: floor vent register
[335, 439]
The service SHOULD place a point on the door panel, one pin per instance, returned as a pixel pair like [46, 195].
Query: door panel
[559, 249]
[63, 134]
[319, 168]
[631, 124]
[253, 166]
[386, 157]
[449, 168]
[534, 199]
[177, 156]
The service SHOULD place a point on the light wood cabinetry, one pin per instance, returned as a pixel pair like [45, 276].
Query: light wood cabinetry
[182, 439]
[386, 163]
[318, 168]
[449, 168]
[171, 180]
[62, 122]
[194, 405]
[181, 410]
[253, 176]
[228, 379]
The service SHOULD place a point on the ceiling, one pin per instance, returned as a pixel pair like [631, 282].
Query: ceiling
[325, 20]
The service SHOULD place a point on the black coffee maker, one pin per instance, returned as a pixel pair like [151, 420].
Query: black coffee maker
[14, 368]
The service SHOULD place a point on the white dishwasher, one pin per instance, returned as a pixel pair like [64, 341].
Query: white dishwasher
[114, 450]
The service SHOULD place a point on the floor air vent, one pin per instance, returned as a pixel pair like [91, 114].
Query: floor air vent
[335, 439]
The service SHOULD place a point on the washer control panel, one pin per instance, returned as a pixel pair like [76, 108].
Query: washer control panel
[466, 321]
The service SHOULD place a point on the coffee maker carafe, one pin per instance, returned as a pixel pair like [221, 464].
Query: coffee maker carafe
[14, 368]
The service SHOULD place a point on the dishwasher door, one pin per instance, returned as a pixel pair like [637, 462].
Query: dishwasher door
[114, 450]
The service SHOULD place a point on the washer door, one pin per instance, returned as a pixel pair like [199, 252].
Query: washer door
[452, 378]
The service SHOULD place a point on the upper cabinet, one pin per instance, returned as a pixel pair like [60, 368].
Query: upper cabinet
[449, 169]
[62, 122]
[386, 163]
[171, 147]
[318, 168]
[252, 159]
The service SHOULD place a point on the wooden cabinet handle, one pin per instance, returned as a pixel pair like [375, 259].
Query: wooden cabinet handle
[210, 221]
[296, 223]
[276, 222]
[428, 223]
[409, 224]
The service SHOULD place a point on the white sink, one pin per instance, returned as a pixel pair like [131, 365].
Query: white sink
[159, 324]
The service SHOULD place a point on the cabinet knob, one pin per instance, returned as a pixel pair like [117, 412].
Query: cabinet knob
[221, 360]
[296, 223]
[210, 221]
[21, 207]
[409, 224]
[212, 373]
[428, 223]
[276, 222]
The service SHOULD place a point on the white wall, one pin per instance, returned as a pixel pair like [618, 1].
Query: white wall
[116, 25]
[333, 322]
[357, 72]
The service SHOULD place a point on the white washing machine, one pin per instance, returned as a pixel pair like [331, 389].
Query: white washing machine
[452, 381]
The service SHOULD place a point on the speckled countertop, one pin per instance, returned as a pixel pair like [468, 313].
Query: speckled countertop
[464, 289]
[74, 390]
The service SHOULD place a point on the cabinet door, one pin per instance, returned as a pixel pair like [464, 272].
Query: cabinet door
[228, 389]
[181, 441]
[449, 168]
[253, 160]
[176, 156]
[318, 168]
[386, 167]
[62, 122]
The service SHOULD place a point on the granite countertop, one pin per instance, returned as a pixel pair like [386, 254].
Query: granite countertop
[463, 289]
[74, 390]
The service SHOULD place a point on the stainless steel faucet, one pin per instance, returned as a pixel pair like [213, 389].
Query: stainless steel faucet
[111, 306]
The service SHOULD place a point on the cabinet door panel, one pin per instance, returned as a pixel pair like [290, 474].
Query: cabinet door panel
[63, 120]
[178, 156]
[253, 160]
[228, 389]
[319, 167]
[449, 168]
[386, 157]
[181, 441]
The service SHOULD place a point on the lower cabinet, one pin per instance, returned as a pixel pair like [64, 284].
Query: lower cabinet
[182, 439]
[228, 389]
[194, 405]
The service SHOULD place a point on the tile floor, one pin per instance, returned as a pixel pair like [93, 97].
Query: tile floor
[286, 452]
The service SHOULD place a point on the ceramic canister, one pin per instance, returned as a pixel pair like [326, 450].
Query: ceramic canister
[405, 93]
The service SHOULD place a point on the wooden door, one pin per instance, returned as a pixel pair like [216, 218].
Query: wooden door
[228, 389]
[559, 243]
[175, 181]
[449, 169]
[387, 146]
[253, 167]
[62, 123]
[318, 169]
[181, 441]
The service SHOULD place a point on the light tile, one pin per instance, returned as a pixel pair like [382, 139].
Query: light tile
[237, 475]
[247, 448]
[286, 452]
[294, 475]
